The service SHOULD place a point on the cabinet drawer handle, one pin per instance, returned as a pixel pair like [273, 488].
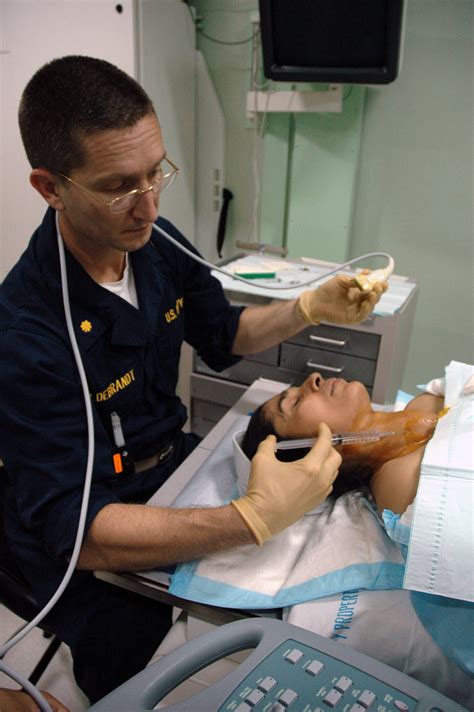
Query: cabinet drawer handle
[320, 366]
[322, 340]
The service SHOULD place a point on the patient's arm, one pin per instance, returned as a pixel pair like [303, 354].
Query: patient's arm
[394, 485]
[427, 402]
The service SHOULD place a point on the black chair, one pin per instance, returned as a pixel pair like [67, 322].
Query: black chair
[16, 595]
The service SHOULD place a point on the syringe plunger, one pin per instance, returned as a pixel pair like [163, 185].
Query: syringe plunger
[337, 439]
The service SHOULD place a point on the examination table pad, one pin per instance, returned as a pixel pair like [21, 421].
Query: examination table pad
[386, 626]
[343, 547]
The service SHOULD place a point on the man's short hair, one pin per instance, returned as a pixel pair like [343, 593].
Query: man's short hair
[71, 97]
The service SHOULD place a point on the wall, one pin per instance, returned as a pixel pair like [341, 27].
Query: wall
[229, 66]
[31, 34]
[309, 178]
[150, 39]
[413, 193]
[166, 61]
[413, 187]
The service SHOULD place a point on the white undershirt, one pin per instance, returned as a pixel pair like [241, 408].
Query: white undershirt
[125, 287]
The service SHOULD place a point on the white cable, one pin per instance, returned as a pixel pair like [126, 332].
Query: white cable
[87, 483]
[28, 687]
[313, 279]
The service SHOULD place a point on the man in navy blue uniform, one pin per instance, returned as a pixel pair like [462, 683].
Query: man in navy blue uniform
[98, 159]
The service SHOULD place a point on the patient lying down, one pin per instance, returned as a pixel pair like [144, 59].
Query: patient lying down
[389, 468]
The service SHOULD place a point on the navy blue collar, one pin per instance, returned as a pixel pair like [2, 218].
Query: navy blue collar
[95, 309]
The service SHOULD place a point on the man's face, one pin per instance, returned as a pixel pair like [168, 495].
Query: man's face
[117, 161]
[298, 411]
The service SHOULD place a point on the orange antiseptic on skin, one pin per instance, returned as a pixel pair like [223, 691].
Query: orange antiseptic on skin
[413, 428]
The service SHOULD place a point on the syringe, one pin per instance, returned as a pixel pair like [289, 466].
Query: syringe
[369, 436]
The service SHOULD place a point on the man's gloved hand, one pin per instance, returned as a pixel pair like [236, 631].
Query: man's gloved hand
[279, 493]
[339, 301]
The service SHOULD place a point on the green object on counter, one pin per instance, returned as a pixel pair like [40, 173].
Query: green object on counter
[256, 275]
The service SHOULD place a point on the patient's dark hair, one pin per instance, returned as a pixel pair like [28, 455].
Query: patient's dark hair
[352, 475]
[71, 97]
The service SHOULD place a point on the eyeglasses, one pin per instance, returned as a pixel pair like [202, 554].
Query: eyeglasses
[130, 199]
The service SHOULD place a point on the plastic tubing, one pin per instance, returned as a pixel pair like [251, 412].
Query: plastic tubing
[388, 270]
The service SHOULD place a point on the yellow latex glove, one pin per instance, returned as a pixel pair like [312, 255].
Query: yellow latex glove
[279, 493]
[339, 301]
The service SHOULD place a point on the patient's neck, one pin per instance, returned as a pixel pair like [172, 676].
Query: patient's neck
[414, 428]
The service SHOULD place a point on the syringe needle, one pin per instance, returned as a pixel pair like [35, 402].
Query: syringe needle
[338, 439]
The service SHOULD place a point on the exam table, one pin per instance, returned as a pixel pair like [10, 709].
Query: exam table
[379, 611]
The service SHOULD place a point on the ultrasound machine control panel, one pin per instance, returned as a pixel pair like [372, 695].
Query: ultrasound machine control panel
[289, 670]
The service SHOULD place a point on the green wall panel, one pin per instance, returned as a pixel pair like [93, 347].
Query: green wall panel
[323, 158]
[274, 193]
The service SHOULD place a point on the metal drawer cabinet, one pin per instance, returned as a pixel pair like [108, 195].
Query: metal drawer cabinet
[211, 398]
[339, 340]
[250, 368]
[246, 371]
[328, 364]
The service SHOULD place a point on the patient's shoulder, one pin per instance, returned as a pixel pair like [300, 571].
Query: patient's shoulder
[395, 484]
[426, 402]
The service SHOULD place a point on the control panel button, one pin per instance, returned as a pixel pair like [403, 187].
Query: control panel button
[357, 708]
[293, 656]
[366, 698]
[243, 707]
[277, 707]
[400, 705]
[343, 684]
[288, 697]
[254, 698]
[332, 698]
[267, 684]
[314, 668]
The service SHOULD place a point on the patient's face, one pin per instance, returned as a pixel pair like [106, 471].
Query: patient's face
[298, 411]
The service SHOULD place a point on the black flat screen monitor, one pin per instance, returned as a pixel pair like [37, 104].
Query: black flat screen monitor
[331, 41]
